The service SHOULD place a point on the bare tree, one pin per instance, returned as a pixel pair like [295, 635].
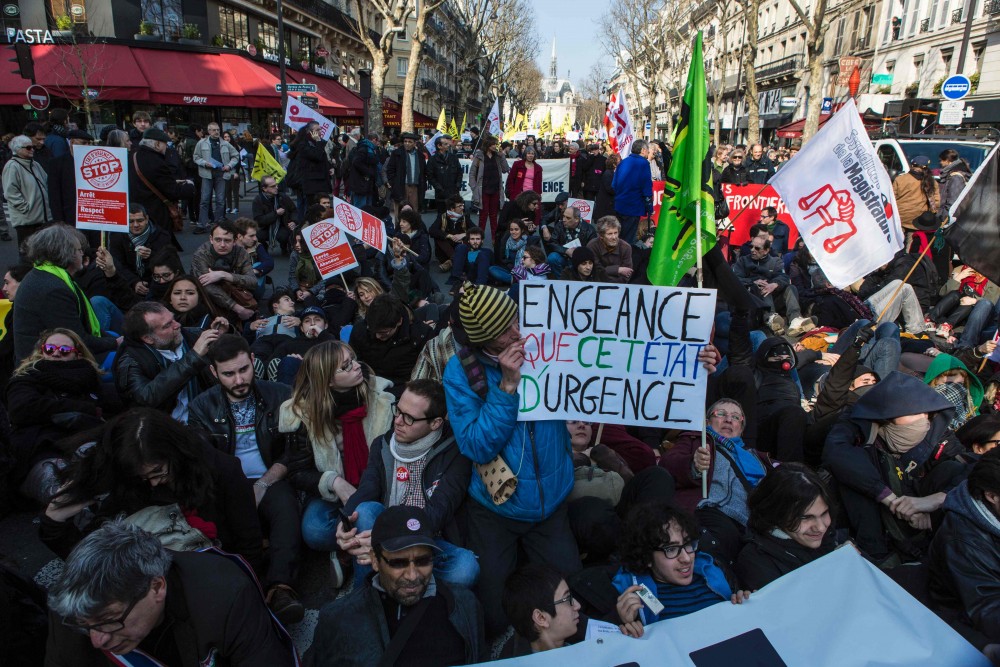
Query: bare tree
[751, 15]
[425, 11]
[523, 86]
[591, 108]
[83, 67]
[816, 27]
[394, 14]
[479, 18]
[507, 44]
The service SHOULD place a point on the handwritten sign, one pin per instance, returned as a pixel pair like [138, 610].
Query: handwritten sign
[555, 179]
[626, 354]
[330, 248]
[101, 188]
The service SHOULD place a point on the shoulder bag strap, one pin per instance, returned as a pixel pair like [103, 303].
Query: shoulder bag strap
[41, 188]
[152, 188]
[403, 633]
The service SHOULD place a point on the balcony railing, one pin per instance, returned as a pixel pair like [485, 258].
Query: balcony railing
[992, 8]
[925, 25]
[780, 67]
[956, 16]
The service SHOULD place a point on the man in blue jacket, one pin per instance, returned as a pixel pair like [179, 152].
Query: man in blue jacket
[633, 186]
[481, 388]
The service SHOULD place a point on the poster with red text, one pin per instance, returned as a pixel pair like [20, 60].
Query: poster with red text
[330, 248]
[745, 204]
[101, 188]
[584, 206]
[365, 227]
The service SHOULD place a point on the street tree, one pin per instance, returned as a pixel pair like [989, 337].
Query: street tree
[750, 24]
[393, 14]
[425, 10]
[816, 27]
[510, 46]
[591, 107]
[523, 86]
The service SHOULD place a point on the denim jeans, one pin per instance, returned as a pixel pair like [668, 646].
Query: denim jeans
[630, 228]
[361, 200]
[881, 353]
[501, 275]
[452, 564]
[319, 524]
[557, 262]
[212, 190]
[108, 314]
[981, 325]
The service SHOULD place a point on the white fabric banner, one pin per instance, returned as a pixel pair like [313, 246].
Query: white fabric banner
[618, 124]
[838, 611]
[840, 197]
[298, 114]
[555, 179]
[493, 120]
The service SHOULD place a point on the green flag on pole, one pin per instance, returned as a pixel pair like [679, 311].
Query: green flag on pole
[688, 184]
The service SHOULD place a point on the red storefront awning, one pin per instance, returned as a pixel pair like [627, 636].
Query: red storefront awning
[794, 130]
[108, 69]
[188, 78]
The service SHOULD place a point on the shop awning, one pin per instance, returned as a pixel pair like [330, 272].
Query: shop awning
[340, 102]
[189, 78]
[108, 69]
[794, 130]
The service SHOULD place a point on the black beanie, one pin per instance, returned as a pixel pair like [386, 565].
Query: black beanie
[581, 255]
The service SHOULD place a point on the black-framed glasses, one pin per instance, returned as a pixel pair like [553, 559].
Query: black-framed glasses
[674, 550]
[155, 476]
[105, 627]
[566, 600]
[427, 560]
[409, 420]
[162, 277]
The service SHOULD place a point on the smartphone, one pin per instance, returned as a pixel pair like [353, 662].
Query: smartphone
[346, 519]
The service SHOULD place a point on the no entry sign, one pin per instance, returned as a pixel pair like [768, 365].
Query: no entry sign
[38, 97]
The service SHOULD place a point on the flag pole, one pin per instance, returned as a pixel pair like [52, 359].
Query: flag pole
[700, 275]
[907, 277]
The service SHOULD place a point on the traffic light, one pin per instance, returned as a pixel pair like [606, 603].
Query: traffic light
[25, 63]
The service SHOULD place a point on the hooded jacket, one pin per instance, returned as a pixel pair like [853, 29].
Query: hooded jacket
[945, 362]
[953, 180]
[775, 387]
[965, 562]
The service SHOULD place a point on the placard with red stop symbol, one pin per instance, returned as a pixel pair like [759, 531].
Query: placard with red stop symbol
[101, 188]
[330, 248]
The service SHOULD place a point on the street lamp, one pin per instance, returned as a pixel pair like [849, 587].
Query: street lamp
[365, 93]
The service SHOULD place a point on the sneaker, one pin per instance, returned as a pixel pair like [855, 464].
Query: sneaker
[944, 330]
[445, 266]
[284, 604]
[801, 325]
[336, 570]
[776, 323]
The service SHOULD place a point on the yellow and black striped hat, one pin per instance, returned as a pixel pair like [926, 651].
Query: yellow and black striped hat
[485, 312]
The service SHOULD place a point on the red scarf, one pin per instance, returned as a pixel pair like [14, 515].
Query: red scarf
[355, 443]
[208, 528]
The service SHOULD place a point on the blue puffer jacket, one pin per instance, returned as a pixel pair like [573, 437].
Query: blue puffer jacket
[633, 186]
[538, 452]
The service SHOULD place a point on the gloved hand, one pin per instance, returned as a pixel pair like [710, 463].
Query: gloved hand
[865, 334]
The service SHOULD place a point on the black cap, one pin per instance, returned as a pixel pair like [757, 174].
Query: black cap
[920, 161]
[561, 197]
[79, 134]
[314, 310]
[156, 135]
[401, 527]
[409, 135]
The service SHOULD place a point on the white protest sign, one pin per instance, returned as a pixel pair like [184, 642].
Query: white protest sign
[838, 611]
[102, 188]
[365, 227]
[555, 179]
[624, 354]
[298, 114]
[330, 248]
[584, 206]
[841, 200]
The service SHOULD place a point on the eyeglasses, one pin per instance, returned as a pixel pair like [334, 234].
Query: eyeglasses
[409, 420]
[674, 550]
[404, 563]
[61, 350]
[732, 416]
[566, 600]
[105, 627]
[162, 277]
[155, 476]
[347, 365]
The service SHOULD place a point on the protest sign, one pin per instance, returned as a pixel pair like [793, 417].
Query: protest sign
[365, 227]
[841, 199]
[618, 124]
[298, 114]
[658, 187]
[555, 179]
[838, 611]
[584, 206]
[745, 204]
[626, 354]
[101, 188]
[329, 247]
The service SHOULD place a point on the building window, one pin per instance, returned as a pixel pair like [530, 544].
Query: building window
[918, 66]
[402, 64]
[167, 16]
[234, 28]
[946, 57]
[977, 53]
[839, 41]
[268, 34]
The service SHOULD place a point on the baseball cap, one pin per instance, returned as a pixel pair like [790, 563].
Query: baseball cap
[401, 527]
[315, 310]
[921, 161]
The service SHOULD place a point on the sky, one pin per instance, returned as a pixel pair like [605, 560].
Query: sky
[574, 25]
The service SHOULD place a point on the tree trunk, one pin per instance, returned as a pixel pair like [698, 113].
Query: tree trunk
[815, 93]
[750, 10]
[380, 65]
[410, 84]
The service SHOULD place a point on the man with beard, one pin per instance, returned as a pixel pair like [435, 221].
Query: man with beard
[241, 415]
[221, 263]
[401, 609]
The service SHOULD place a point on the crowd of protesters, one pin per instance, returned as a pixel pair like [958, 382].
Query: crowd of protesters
[163, 417]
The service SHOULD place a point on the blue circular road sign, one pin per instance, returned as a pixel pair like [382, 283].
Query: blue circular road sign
[956, 87]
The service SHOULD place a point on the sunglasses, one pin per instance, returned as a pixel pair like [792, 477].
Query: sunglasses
[403, 563]
[61, 350]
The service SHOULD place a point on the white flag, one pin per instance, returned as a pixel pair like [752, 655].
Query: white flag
[840, 197]
[298, 114]
[618, 124]
[493, 120]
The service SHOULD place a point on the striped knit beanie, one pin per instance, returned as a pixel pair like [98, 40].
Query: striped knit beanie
[485, 312]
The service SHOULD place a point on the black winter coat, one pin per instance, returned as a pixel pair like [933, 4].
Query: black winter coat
[160, 174]
[124, 254]
[925, 280]
[144, 378]
[308, 160]
[735, 174]
[62, 189]
[593, 172]
[444, 174]
[362, 168]
[395, 358]
[604, 204]
[263, 210]
[766, 557]
[395, 174]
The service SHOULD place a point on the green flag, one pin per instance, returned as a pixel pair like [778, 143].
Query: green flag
[688, 182]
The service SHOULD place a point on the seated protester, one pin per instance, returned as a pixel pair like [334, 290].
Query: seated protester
[274, 330]
[410, 251]
[879, 293]
[833, 307]
[659, 550]
[533, 267]
[951, 378]
[338, 407]
[513, 244]
[161, 365]
[777, 230]
[543, 611]
[881, 352]
[143, 458]
[241, 415]
[338, 302]
[523, 207]
[791, 524]
[610, 252]
[641, 253]
[471, 260]
[287, 356]
[733, 470]
[260, 258]
[190, 303]
[894, 461]
[368, 626]
[389, 340]
[448, 231]
[979, 435]
[583, 268]
[557, 212]
[955, 306]
[763, 276]
[108, 293]
[221, 264]
[417, 464]
[365, 291]
[274, 213]
[570, 228]
[133, 251]
[55, 393]
[164, 265]
[924, 279]
[964, 556]
[123, 593]
[757, 231]
[301, 267]
[780, 419]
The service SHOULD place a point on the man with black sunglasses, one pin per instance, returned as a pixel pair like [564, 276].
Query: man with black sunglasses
[401, 609]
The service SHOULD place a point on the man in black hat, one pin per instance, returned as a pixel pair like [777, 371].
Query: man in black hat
[401, 609]
[152, 182]
[62, 179]
[407, 174]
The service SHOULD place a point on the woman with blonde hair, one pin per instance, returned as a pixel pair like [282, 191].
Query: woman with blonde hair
[365, 291]
[338, 406]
